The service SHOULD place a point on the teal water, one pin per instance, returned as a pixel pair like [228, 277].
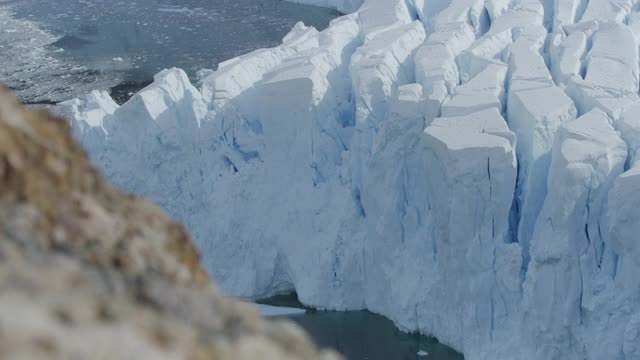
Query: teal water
[362, 335]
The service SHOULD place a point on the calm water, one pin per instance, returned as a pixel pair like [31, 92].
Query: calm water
[361, 335]
[52, 50]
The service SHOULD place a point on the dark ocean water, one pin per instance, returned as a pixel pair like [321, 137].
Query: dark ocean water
[362, 335]
[57, 49]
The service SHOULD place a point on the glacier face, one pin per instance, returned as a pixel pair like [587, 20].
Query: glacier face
[467, 168]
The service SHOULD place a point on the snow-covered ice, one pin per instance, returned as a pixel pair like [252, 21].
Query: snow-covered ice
[466, 168]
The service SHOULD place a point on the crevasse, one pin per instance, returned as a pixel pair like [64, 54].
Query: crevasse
[465, 167]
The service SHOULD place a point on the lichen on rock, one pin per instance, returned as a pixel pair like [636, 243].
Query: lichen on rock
[87, 271]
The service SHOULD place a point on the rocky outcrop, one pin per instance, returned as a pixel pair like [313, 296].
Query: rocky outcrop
[89, 272]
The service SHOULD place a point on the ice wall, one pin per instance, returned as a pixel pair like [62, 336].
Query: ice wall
[465, 167]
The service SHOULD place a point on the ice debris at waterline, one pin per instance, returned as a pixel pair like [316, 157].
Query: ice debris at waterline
[279, 311]
[465, 167]
[88, 272]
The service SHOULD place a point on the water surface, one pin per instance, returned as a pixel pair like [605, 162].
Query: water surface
[362, 335]
[57, 49]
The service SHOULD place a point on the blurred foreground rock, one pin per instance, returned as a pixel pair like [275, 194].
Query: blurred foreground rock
[87, 272]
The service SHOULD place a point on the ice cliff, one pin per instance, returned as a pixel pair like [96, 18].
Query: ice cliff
[467, 168]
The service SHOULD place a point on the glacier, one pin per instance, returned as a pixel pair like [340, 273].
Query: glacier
[467, 168]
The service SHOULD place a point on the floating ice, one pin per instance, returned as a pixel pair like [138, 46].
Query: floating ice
[275, 311]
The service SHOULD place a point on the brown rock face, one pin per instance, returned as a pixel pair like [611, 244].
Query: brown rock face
[87, 272]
